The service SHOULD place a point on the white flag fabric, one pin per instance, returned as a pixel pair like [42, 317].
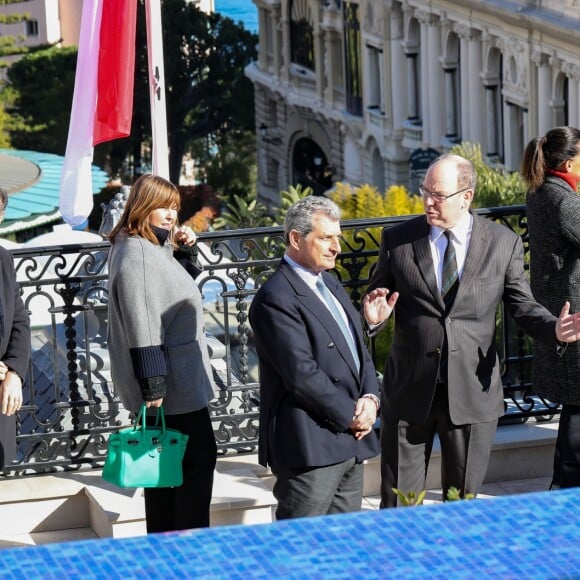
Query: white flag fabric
[103, 97]
[159, 146]
[76, 186]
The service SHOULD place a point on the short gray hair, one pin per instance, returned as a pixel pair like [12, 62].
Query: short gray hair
[299, 215]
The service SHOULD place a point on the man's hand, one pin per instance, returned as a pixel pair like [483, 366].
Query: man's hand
[10, 393]
[568, 325]
[365, 416]
[378, 305]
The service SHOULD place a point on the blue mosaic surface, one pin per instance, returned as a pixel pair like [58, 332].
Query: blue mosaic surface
[526, 536]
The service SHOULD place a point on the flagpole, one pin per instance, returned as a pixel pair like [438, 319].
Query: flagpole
[160, 149]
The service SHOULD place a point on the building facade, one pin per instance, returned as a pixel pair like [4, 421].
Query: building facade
[53, 21]
[46, 22]
[351, 90]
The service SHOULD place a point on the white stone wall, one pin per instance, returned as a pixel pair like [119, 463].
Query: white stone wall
[44, 12]
[434, 73]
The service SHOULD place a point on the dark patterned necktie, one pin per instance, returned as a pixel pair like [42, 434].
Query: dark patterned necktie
[449, 283]
[450, 276]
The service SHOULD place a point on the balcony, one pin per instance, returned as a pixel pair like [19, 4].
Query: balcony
[70, 405]
[412, 134]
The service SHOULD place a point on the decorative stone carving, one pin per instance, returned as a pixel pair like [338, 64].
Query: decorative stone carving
[113, 210]
[427, 18]
[372, 19]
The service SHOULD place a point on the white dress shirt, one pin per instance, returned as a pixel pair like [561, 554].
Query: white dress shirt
[310, 279]
[461, 235]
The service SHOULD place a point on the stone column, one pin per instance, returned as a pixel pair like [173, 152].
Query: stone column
[396, 91]
[544, 93]
[319, 62]
[473, 122]
[432, 113]
[328, 72]
[574, 106]
[263, 37]
[276, 40]
[285, 70]
[475, 92]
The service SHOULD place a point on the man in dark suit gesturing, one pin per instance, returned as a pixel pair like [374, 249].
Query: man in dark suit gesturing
[318, 386]
[444, 275]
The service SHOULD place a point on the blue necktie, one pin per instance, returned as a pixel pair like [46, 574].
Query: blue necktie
[339, 318]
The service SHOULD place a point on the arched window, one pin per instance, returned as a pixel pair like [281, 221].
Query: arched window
[310, 166]
[301, 34]
[411, 47]
[560, 102]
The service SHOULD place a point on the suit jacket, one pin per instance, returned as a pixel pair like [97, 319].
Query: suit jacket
[309, 384]
[493, 271]
[553, 213]
[14, 345]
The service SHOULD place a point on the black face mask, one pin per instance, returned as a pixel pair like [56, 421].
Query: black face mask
[160, 234]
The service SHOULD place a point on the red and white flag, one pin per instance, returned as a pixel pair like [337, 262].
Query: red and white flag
[103, 97]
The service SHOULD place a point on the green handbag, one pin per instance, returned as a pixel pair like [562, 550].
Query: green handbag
[142, 456]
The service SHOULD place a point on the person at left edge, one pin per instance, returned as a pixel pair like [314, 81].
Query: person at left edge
[157, 344]
[14, 349]
[318, 399]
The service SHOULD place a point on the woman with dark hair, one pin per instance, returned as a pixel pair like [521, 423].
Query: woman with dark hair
[551, 169]
[157, 344]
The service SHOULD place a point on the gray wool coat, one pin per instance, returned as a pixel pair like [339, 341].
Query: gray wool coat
[553, 213]
[153, 301]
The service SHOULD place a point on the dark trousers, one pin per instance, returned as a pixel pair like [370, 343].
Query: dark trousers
[567, 455]
[406, 450]
[186, 506]
[7, 440]
[316, 491]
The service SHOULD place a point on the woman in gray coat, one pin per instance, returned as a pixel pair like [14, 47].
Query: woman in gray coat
[551, 168]
[157, 344]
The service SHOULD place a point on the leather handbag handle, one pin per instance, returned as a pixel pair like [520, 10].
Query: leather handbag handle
[142, 420]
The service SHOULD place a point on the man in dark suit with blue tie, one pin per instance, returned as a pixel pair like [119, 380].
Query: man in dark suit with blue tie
[444, 275]
[318, 386]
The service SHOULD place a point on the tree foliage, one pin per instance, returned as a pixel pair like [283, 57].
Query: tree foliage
[243, 212]
[367, 201]
[230, 168]
[38, 97]
[289, 197]
[495, 185]
[209, 99]
[4, 134]
[211, 96]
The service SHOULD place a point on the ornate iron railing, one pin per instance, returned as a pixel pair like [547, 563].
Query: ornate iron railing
[70, 403]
